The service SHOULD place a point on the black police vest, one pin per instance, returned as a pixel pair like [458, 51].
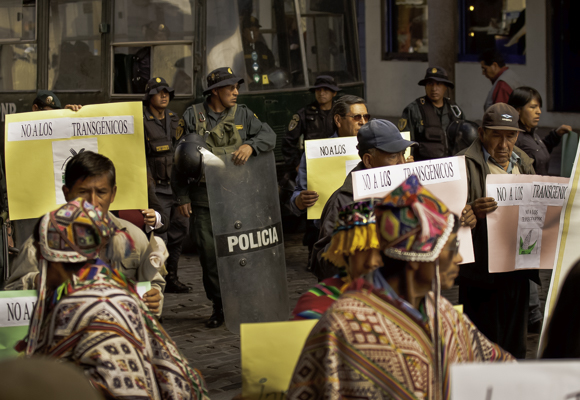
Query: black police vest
[316, 123]
[159, 142]
[433, 144]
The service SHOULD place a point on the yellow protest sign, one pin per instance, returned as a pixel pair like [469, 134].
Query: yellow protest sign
[328, 162]
[270, 352]
[39, 144]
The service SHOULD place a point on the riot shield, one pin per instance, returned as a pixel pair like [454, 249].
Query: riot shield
[247, 229]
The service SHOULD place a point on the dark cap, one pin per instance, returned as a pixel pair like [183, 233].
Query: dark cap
[250, 21]
[502, 117]
[221, 77]
[436, 74]
[383, 135]
[48, 99]
[325, 81]
[156, 85]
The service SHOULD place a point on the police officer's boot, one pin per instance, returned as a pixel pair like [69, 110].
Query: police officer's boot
[172, 283]
[217, 317]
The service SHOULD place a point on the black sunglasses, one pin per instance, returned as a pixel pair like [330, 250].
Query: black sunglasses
[358, 117]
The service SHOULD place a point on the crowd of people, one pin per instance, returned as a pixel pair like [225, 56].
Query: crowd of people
[384, 329]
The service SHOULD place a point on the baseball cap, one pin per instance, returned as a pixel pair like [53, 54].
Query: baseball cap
[502, 117]
[383, 135]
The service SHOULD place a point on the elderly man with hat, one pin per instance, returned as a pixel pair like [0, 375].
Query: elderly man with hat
[428, 117]
[227, 128]
[497, 303]
[311, 122]
[160, 125]
[380, 144]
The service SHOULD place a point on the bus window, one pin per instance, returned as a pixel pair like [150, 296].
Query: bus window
[18, 59]
[270, 43]
[137, 21]
[134, 66]
[153, 39]
[326, 46]
[258, 39]
[74, 47]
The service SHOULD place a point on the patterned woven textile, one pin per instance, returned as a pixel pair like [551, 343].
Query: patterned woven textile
[312, 304]
[414, 225]
[367, 347]
[98, 322]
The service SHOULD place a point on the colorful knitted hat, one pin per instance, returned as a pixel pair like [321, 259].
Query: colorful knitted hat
[355, 230]
[76, 232]
[413, 224]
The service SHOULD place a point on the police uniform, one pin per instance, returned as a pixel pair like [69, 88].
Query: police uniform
[258, 57]
[310, 122]
[428, 124]
[224, 133]
[160, 139]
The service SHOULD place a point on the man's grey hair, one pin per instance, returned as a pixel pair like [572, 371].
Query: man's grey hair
[342, 106]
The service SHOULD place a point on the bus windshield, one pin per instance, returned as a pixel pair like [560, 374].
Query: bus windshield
[270, 42]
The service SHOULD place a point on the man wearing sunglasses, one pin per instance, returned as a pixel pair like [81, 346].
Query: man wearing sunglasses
[349, 114]
[428, 117]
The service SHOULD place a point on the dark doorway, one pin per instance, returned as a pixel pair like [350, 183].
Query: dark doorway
[565, 55]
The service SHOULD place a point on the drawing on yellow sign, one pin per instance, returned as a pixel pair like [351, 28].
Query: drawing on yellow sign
[53, 137]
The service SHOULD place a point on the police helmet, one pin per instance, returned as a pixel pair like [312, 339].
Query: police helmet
[279, 78]
[188, 159]
[461, 134]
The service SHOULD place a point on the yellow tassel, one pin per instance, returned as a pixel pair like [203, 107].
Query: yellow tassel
[345, 242]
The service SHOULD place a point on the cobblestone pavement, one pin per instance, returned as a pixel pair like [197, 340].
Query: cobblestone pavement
[216, 352]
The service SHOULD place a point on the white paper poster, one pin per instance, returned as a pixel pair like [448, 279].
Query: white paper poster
[446, 178]
[529, 380]
[62, 152]
[522, 232]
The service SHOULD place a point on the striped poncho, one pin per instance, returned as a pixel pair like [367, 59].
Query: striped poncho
[368, 346]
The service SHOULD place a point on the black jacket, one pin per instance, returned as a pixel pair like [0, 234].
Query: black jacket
[341, 197]
[538, 149]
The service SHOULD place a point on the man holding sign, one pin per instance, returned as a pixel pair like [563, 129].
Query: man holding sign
[497, 303]
[380, 144]
[349, 114]
[93, 177]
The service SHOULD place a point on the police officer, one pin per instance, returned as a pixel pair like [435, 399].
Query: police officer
[428, 117]
[313, 121]
[228, 128]
[46, 100]
[160, 125]
[259, 58]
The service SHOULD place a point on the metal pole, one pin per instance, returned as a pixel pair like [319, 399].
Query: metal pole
[302, 45]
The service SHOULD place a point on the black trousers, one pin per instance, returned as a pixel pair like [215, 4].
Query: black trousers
[174, 236]
[500, 312]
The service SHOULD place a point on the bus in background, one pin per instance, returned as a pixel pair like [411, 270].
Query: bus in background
[99, 51]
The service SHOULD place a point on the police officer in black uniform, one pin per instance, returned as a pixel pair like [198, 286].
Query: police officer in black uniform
[428, 117]
[160, 125]
[227, 128]
[259, 58]
[313, 121]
